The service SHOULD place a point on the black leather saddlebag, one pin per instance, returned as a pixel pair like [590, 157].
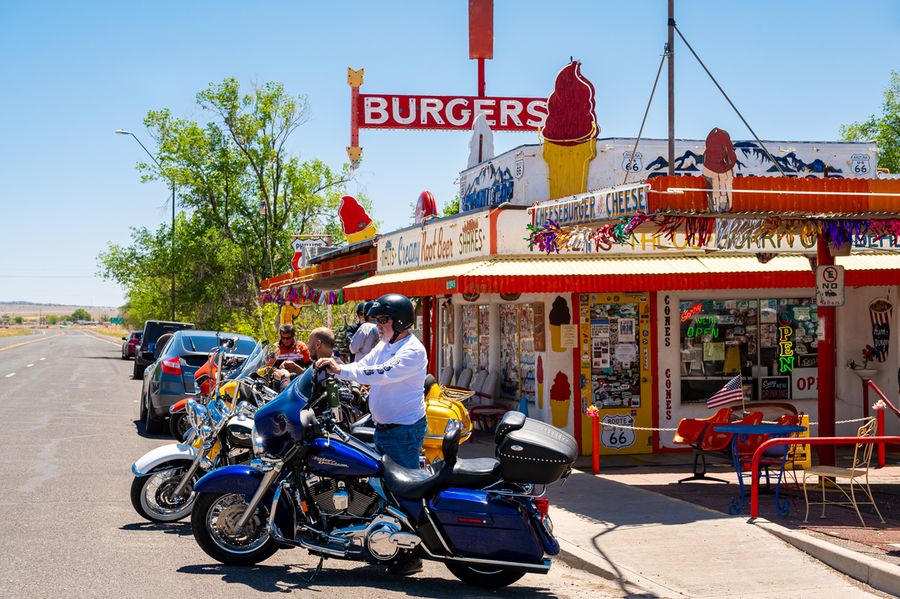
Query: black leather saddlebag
[535, 452]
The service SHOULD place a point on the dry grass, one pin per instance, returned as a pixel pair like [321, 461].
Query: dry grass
[14, 331]
[110, 331]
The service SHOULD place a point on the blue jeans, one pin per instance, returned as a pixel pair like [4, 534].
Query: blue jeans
[402, 443]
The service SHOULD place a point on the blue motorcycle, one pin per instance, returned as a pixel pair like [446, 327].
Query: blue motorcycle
[313, 485]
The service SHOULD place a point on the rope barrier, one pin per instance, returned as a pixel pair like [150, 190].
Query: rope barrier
[671, 429]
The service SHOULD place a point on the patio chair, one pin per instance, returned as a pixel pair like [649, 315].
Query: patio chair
[857, 477]
[446, 376]
[691, 432]
[488, 412]
[464, 378]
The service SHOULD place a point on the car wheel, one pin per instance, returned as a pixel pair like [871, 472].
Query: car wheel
[143, 415]
[152, 424]
[138, 371]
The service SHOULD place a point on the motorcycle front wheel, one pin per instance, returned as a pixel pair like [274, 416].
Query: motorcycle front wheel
[489, 577]
[153, 496]
[214, 523]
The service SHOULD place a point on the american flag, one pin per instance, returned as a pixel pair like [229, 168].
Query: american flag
[731, 392]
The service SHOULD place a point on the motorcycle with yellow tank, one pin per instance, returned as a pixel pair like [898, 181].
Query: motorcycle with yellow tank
[219, 434]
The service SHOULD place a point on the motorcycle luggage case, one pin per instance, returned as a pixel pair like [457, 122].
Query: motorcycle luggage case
[531, 451]
[477, 525]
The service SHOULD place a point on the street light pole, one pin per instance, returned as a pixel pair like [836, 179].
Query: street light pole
[156, 162]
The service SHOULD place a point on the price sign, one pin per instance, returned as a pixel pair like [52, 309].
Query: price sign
[830, 285]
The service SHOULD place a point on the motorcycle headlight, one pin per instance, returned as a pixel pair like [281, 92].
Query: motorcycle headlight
[257, 441]
[196, 413]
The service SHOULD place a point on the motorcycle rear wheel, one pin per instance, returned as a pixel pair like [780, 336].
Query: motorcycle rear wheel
[213, 524]
[179, 425]
[152, 495]
[485, 576]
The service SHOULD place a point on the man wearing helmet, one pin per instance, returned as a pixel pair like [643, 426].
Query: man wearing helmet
[366, 336]
[395, 371]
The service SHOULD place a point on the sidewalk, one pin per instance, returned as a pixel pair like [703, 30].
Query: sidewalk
[635, 525]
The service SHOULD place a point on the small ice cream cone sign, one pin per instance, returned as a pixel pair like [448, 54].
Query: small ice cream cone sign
[560, 400]
[540, 383]
[355, 222]
[559, 315]
[719, 161]
[570, 132]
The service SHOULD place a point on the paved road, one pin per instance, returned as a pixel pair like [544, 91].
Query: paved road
[67, 528]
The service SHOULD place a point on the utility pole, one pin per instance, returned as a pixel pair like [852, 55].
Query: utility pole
[670, 46]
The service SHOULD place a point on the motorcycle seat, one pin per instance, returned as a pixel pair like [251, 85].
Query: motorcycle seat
[511, 421]
[474, 473]
[413, 483]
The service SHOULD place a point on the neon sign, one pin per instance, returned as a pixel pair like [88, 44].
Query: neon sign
[693, 310]
[785, 349]
[703, 325]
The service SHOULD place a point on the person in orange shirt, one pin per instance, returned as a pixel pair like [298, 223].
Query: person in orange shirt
[291, 349]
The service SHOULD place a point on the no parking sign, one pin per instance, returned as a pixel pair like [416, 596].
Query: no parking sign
[830, 285]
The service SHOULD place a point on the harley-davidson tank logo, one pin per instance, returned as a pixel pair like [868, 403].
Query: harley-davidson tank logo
[516, 447]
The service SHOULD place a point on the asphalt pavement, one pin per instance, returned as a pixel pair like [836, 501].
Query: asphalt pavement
[67, 528]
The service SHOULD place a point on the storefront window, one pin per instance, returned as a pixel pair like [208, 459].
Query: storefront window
[763, 340]
[517, 359]
[476, 337]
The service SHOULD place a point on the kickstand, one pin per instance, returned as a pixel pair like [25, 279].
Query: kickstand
[315, 573]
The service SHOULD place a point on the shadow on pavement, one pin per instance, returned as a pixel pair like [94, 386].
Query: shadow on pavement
[142, 432]
[182, 529]
[280, 579]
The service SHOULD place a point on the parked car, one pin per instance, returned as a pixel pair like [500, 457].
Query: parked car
[170, 378]
[153, 329]
[130, 344]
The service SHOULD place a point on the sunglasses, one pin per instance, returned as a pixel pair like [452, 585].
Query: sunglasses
[382, 319]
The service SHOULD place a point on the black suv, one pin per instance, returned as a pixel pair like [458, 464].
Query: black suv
[153, 330]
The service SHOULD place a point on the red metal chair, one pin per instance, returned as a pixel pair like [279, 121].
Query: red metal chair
[692, 431]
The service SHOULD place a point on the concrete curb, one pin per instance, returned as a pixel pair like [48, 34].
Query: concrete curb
[636, 585]
[868, 570]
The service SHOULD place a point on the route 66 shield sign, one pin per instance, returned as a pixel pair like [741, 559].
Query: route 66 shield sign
[613, 437]
[860, 165]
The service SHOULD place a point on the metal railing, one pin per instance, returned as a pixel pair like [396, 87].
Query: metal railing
[754, 489]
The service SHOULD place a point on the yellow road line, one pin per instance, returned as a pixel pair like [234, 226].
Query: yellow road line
[27, 342]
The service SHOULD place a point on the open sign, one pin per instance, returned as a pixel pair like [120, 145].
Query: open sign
[805, 383]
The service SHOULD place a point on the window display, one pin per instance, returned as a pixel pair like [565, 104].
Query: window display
[476, 337]
[517, 357]
[763, 340]
[615, 368]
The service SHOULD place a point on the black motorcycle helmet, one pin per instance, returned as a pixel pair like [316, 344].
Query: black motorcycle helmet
[361, 308]
[366, 307]
[398, 307]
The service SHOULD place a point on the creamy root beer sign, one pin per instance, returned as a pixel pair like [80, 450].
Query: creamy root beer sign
[437, 242]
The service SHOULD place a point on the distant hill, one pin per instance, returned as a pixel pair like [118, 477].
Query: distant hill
[25, 309]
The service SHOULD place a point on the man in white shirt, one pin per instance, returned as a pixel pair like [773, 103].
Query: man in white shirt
[395, 372]
[366, 336]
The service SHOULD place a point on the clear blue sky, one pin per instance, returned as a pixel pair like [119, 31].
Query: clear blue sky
[73, 72]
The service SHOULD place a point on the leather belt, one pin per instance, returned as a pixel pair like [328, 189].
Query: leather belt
[386, 427]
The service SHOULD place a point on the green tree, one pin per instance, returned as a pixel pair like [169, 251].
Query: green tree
[244, 195]
[452, 207]
[80, 314]
[51, 319]
[18, 320]
[885, 129]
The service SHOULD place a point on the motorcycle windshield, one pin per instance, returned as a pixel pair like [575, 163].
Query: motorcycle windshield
[252, 363]
[278, 422]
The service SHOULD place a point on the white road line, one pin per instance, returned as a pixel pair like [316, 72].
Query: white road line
[29, 366]
[41, 360]
[9, 375]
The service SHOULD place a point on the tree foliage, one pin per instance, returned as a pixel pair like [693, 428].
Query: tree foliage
[80, 314]
[884, 128]
[244, 194]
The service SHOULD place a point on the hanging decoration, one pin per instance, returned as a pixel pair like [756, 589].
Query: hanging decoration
[301, 293]
[701, 231]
